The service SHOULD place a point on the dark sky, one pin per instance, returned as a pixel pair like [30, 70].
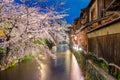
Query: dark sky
[73, 6]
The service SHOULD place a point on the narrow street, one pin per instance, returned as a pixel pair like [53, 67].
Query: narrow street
[63, 67]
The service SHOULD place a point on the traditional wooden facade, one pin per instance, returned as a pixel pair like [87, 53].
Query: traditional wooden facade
[98, 29]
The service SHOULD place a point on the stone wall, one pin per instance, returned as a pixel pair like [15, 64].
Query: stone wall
[90, 69]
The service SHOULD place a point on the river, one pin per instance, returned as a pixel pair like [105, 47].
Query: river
[63, 67]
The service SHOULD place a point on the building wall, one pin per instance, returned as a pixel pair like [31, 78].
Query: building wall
[102, 8]
[108, 2]
[111, 29]
[105, 43]
[83, 40]
[93, 11]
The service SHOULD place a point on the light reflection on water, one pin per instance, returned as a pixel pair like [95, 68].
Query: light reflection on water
[63, 67]
[76, 72]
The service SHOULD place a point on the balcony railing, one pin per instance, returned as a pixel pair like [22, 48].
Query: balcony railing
[91, 26]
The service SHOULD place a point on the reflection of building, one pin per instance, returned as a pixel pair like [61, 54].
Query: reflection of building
[98, 29]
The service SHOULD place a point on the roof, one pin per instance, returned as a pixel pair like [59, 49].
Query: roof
[91, 2]
[83, 11]
[70, 27]
[76, 19]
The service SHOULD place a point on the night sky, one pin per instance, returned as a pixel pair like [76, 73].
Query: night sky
[73, 7]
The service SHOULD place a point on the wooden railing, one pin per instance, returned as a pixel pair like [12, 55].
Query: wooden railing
[101, 22]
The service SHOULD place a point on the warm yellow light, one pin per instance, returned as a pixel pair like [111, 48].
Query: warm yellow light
[1, 33]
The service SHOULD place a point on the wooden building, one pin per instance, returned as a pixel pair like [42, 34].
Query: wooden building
[98, 29]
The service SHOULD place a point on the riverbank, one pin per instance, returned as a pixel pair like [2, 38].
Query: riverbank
[11, 60]
[91, 68]
[17, 55]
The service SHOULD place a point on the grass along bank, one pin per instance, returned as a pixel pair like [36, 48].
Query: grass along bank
[27, 57]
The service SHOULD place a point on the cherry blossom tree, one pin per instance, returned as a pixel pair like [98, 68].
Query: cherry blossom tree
[23, 25]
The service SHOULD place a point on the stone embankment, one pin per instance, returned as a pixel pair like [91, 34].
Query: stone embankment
[91, 69]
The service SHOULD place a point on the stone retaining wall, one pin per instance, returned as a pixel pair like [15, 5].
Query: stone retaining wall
[91, 71]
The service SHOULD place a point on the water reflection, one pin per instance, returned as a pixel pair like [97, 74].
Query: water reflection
[76, 73]
[63, 67]
[24, 71]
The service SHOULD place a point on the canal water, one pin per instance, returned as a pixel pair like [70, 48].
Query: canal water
[63, 67]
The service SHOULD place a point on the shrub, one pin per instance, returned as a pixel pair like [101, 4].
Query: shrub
[28, 57]
[11, 64]
[39, 42]
[2, 50]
